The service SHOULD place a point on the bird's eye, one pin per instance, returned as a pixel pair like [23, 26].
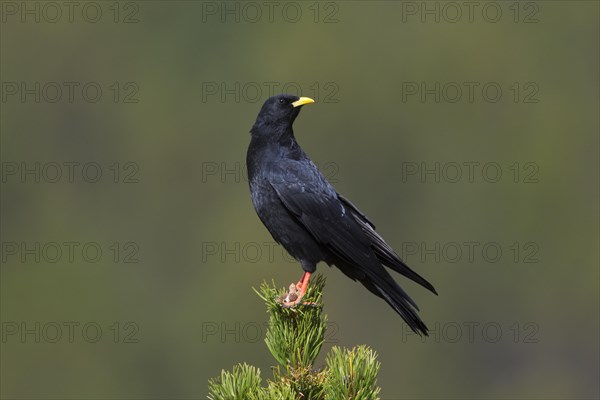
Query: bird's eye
[281, 101]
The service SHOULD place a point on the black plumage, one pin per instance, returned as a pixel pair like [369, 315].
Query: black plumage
[313, 222]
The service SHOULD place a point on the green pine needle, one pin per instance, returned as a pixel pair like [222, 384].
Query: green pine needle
[296, 334]
[294, 338]
[236, 385]
[352, 374]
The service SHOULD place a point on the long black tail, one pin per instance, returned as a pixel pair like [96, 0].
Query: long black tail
[378, 280]
[382, 250]
[383, 285]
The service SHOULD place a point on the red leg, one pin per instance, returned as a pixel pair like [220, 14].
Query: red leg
[297, 291]
[303, 284]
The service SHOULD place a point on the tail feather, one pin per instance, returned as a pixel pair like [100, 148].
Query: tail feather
[382, 250]
[371, 273]
[392, 293]
[390, 259]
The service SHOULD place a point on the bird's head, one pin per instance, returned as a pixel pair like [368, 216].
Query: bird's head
[278, 113]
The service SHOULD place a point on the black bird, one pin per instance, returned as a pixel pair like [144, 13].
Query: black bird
[312, 221]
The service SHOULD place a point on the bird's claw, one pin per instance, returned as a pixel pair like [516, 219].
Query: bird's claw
[292, 297]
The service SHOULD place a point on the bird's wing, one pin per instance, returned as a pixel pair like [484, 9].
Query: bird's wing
[359, 215]
[384, 252]
[316, 206]
[319, 210]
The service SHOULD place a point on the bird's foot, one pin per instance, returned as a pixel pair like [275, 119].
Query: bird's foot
[292, 297]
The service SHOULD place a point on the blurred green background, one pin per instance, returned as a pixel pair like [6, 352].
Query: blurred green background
[181, 247]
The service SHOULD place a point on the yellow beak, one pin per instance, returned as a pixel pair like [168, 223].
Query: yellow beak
[302, 101]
